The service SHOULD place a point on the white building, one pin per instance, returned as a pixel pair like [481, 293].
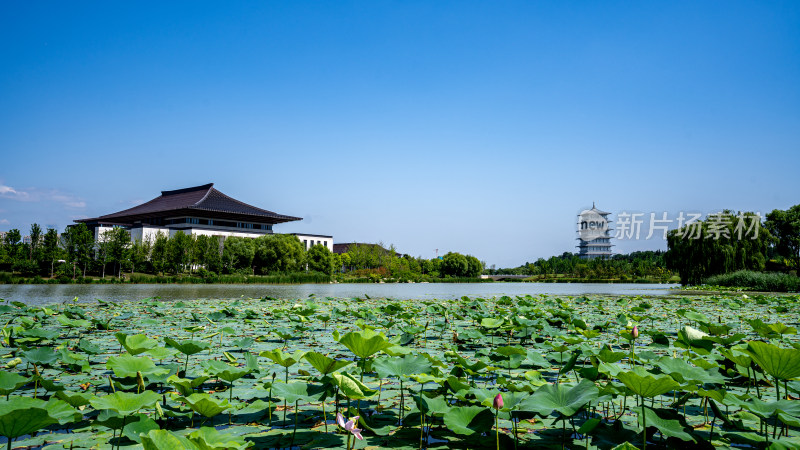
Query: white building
[200, 210]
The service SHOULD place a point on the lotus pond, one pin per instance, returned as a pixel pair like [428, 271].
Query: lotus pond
[542, 371]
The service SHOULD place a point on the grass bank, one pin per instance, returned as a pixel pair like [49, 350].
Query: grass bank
[756, 281]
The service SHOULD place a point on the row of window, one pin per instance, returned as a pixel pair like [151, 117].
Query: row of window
[308, 245]
[218, 223]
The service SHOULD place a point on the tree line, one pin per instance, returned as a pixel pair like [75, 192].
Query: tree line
[76, 253]
[644, 264]
[729, 242]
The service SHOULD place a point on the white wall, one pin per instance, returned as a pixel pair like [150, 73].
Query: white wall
[313, 240]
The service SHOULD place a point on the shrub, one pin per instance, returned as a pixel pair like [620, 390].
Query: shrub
[757, 281]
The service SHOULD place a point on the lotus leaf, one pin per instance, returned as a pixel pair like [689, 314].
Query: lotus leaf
[41, 355]
[142, 426]
[365, 343]
[469, 420]
[205, 404]
[293, 392]
[23, 415]
[566, 400]
[165, 440]
[188, 347]
[208, 438]
[781, 363]
[125, 403]
[646, 384]
[127, 365]
[324, 364]
[406, 366]
[10, 382]
[351, 387]
[138, 343]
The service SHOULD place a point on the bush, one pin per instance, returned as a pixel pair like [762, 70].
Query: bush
[757, 281]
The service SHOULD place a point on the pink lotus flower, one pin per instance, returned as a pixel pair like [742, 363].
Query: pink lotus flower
[350, 425]
[635, 332]
[498, 402]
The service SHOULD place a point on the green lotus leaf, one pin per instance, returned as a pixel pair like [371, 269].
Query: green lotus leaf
[365, 343]
[566, 400]
[243, 343]
[432, 406]
[205, 404]
[691, 338]
[188, 347]
[40, 333]
[209, 438]
[144, 425]
[406, 366]
[508, 351]
[669, 426]
[292, 392]
[186, 386]
[324, 364]
[683, 372]
[62, 412]
[490, 322]
[74, 399]
[10, 382]
[41, 355]
[125, 403]
[23, 415]
[351, 387]
[283, 359]
[127, 365]
[165, 440]
[224, 371]
[469, 420]
[73, 323]
[645, 384]
[781, 363]
[138, 343]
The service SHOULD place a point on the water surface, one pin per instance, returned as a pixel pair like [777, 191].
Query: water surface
[34, 294]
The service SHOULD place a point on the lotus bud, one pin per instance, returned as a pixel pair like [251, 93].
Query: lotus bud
[635, 332]
[140, 381]
[498, 402]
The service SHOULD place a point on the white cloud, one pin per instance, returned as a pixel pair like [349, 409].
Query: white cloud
[10, 192]
[4, 222]
[42, 195]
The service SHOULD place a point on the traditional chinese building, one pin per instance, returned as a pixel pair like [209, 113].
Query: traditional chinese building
[200, 210]
[594, 238]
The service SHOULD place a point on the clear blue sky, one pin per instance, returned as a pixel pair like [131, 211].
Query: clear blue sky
[479, 127]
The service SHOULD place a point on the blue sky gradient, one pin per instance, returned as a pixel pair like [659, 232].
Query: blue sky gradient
[479, 127]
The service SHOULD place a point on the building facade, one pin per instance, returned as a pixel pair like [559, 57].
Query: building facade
[199, 210]
[594, 234]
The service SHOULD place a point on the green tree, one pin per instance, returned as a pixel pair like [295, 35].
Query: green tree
[278, 253]
[78, 241]
[36, 237]
[474, 267]
[158, 255]
[785, 227]
[320, 259]
[455, 265]
[179, 251]
[722, 243]
[50, 249]
[237, 254]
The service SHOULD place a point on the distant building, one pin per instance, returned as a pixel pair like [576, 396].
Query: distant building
[199, 210]
[310, 240]
[594, 238]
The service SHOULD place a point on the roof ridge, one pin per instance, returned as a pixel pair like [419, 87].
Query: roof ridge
[208, 186]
